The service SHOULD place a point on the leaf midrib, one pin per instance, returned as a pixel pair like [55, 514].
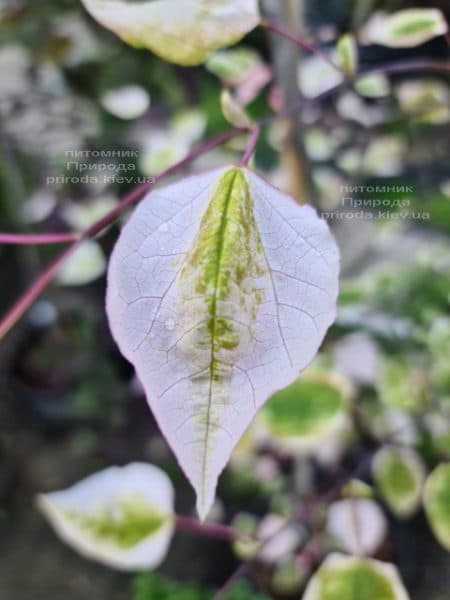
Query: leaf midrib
[213, 311]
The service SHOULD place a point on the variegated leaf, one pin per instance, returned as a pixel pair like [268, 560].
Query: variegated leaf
[406, 28]
[351, 578]
[121, 517]
[220, 290]
[184, 32]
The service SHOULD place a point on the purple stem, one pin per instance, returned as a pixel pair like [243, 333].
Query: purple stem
[38, 238]
[251, 145]
[38, 286]
[300, 42]
[211, 530]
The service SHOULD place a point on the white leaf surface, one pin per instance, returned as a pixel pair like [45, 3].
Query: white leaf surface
[126, 102]
[358, 524]
[86, 264]
[316, 76]
[121, 516]
[220, 290]
[183, 32]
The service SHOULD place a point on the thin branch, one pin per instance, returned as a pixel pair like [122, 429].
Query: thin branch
[298, 41]
[251, 145]
[38, 286]
[211, 530]
[24, 239]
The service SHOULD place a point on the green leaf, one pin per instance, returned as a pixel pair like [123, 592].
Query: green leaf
[399, 474]
[350, 578]
[181, 32]
[406, 28]
[436, 501]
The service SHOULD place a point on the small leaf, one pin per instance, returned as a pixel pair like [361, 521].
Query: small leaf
[385, 156]
[359, 525]
[127, 102]
[280, 539]
[234, 65]
[189, 124]
[316, 76]
[307, 412]
[233, 113]
[86, 264]
[402, 385]
[348, 578]
[399, 474]
[181, 32]
[406, 28]
[373, 85]
[356, 488]
[426, 100]
[347, 54]
[436, 501]
[80, 216]
[241, 69]
[121, 516]
[220, 290]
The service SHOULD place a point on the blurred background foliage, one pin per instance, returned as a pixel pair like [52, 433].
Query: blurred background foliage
[70, 404]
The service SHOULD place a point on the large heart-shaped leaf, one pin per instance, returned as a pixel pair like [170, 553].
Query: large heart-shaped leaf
[183, 32]
[220, 290]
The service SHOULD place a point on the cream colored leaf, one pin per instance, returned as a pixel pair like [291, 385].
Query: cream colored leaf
[184, 32]
[121, 516]
[127, 102]
[406, 28]
[358, 524]
[232, 112]
[220, 290]
[86, 264]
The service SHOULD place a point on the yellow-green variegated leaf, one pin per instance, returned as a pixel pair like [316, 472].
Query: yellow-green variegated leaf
[399, 474]
[306, 413]
[220, 290]
[350, 578]
[347, 54]
[406, 28]
[436, 501]
[373, 85]
[233, 112]
[180, 31]
[121, 517]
